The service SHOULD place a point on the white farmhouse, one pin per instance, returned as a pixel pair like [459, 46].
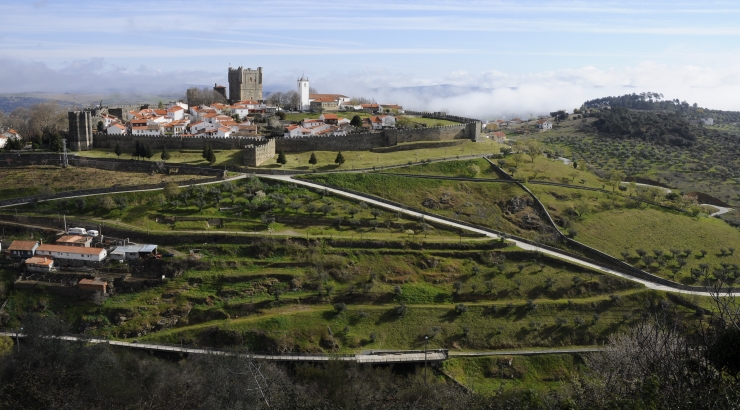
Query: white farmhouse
[72, 253]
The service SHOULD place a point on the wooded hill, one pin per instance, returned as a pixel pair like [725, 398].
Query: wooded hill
[664, 128]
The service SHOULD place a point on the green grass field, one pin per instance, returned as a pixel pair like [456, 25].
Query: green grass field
[192, 157]
[367, 159]
[35, 180]
[475, 202]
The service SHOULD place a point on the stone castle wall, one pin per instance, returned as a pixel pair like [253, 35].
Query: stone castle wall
[351, 142]
[259, 152]
[102, 140]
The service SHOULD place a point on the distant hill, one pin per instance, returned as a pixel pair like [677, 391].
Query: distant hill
[650, 101]
[10, 103]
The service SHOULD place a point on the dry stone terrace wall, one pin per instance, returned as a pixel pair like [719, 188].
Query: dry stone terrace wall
[109, 164]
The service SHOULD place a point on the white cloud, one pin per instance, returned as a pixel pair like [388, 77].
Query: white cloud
[486, 95]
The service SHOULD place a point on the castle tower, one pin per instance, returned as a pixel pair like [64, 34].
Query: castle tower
[245, 84]
[80, 130]
[303, 92]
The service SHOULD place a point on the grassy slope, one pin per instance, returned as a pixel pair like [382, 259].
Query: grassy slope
[193, 157]
[470, 201]
[629, 229]
[25, 181]
[367, 159]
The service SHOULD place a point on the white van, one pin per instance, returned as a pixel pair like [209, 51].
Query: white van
[93, 233]
[77, 231]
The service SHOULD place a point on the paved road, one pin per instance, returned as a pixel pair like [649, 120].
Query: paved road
[378, 357]
[369, 200]
[527, 352]
[526, 246]
[365, 356]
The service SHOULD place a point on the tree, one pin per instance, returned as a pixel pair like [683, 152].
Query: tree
[534, 149]
[340, 158]
[206, 149]
[165, 154]
[107, 203]
[313, 160]
[281, 158]
[518, 158]
[147, 151]
[171, 190]
[55, 142]
[615, 178]
[117, 150]
[356, 121]
[211, 156]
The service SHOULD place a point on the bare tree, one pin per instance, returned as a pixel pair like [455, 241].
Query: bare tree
[203, 96]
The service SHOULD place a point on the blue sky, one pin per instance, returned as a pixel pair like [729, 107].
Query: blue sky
[526, 55]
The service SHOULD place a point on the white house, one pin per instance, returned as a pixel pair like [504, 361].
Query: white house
[175, 113]
[116, 129]
[223, 132]
[39, 264]
[241, 110]
[544, 125]
[11, 133]
[707, 121]
[3, 141]
[72, 253]
[295, 130]
[146, 131]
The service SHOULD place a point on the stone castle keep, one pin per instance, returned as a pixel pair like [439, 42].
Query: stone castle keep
[80, 130]
[245, 84]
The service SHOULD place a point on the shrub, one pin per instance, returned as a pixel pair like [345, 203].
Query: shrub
[460, 309]
[340, 307]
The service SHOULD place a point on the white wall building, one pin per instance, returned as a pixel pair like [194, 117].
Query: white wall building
[116, 129]
[72, 253]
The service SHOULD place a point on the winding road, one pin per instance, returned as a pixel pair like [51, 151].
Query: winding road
[523, 245]
[373, 201]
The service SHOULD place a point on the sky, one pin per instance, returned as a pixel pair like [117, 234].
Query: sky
[478, 58]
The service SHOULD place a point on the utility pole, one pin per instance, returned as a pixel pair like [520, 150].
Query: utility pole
[426, 345]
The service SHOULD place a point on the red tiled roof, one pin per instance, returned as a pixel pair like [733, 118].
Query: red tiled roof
[22, 245]
[70, 249]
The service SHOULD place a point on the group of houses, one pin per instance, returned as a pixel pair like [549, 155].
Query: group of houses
[542, 123]
[77, 248]
[330, 124]
[178, 119]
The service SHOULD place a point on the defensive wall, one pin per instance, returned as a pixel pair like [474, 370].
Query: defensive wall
[259, 152]
[126, 141]
[258, 149]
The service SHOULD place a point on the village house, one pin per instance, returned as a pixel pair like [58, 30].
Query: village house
[11, 133]
[392, 108]
[42, 264]
[62, 252]
[23, 249]
[499, 137]
[75, 240]
[3, 141]
[130, 252]
[544, 125]
[379, 122]
[370, 108]
[324, 104]
[116, 129]
[707, 121]
[329, 119]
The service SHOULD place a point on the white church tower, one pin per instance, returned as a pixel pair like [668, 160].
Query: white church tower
[303, 92]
